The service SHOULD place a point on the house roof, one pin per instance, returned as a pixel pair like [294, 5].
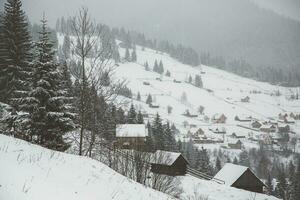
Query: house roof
[131, 130]
[164, 157]
[218, 116]
[268, 126]
[230, 173]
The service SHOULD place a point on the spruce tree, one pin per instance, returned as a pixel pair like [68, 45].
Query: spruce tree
[140, 118]
[161, 68]
[168, 73]
[198, 81]
[218, 165]
[133, 56]
[158, 133]
[127, 55]
[3, 57]
[146, 65]
[49, 117]
[281, 189]
[17, 45]
[149, 99]
[131, 119]
[155, 67]
[138, 98]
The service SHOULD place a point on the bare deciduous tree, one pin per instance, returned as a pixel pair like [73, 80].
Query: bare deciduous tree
[93, 47]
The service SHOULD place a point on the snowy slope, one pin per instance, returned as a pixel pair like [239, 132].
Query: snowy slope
[31, 172]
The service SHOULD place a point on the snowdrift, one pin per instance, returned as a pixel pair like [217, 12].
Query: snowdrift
[30, 172]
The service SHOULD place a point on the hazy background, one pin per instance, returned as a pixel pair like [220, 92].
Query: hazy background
[265, 33]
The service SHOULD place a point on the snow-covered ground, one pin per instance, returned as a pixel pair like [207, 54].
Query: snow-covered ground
[30, 172]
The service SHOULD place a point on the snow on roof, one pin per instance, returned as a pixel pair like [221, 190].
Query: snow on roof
[131, 130]
[164, 157]
[267, 126]
[230, 173]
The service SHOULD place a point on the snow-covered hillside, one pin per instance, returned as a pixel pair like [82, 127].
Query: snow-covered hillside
[222, 93]
[31, 172]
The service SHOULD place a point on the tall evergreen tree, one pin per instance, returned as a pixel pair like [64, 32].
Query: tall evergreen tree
[138, 97]
[146, 65]
[131, 119]
[158, 132]
[18, 46]
[281, 189]
[149, 99]
[3, 58]
[49, 118]
[198, 81]
[127, 55]
[140, 118]
[133, 56]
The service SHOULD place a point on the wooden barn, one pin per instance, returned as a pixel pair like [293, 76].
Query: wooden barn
[153, 105]
[240, 177]
[168, 163]
[237, 145]
[256, 124]
[219, 119]
[243, 119]
[131, 136]
[246, 99]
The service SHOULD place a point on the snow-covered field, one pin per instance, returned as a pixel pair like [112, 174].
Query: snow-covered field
[30, 172]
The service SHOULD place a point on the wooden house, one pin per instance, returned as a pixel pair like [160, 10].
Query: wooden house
[240, 177]
[243, 119]
[187, 113]
[153, 105]
[218, 130]
[238, 136]
[289, 120]
[246, 99]
[256, 124]
[219, 119]
[131, 136]
[283, 128]
[269, 128]
[237, 145]
[168, 163]
[176, 81]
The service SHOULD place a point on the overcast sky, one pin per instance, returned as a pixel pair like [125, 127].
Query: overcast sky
[111, 11]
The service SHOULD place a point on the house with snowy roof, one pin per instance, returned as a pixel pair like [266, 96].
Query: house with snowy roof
[168, 163]
[219, 119]
[240, 177]
[268, 128]
[131, 136]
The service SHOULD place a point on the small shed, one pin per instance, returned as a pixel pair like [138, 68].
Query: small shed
[153, 105]
[246, 99]
[168, 163]
[243, 118]
[219, 119]
[240, 177]
[237, 145]
[131, 135]
[256, 124]
[283, 128]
